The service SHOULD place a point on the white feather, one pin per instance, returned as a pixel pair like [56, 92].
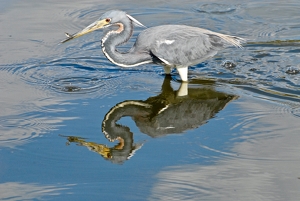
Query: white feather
[135, 21]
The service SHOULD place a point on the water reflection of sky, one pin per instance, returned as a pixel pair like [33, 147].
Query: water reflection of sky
[261, 164]
[21, 191]
[248, 150]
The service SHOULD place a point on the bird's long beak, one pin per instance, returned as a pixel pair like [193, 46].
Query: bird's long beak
[92, 27]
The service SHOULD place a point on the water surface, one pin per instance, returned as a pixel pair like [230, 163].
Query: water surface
[73, 126]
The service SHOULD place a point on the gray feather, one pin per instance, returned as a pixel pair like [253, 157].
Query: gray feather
[183, 45]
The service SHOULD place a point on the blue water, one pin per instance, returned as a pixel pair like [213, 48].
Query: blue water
[235, 136]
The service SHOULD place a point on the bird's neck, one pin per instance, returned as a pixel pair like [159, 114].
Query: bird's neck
[113, 38]
[111, 128]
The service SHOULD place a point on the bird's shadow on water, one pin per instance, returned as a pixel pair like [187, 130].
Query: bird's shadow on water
[170, 112]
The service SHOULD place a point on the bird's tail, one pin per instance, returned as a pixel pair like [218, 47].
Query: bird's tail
[233, 40]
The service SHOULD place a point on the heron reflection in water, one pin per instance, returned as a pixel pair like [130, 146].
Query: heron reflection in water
[166, 113]
[172, 46]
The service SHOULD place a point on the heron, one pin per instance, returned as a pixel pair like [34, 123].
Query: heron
[172, 46]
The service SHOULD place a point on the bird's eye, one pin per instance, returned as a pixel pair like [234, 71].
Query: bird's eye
[107, 20]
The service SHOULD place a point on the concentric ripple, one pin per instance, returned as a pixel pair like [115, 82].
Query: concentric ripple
[296, 112]
[67, 75]
[76, 84]
[216, 8]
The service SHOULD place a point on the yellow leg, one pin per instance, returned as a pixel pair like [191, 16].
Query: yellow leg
[183, 72]
[167, 70]
[183, 89]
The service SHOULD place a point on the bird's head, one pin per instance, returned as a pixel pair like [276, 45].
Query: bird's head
[109, 18]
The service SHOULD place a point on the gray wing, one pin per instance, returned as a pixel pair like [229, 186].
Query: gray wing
[181, 45]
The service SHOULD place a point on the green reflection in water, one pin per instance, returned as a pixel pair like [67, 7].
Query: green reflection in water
[277, 43]
[170, 112]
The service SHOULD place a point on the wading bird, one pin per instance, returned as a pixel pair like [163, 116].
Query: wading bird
[172, 46]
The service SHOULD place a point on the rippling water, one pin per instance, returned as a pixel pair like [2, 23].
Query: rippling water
[73, 126]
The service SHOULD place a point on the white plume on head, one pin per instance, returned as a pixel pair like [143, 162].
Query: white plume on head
[135, 21]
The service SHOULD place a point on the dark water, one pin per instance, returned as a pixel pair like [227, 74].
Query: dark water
[73, 126]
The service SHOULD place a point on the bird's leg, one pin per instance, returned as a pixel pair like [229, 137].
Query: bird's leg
[167, 70]
[183, 89]
[183, 72]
